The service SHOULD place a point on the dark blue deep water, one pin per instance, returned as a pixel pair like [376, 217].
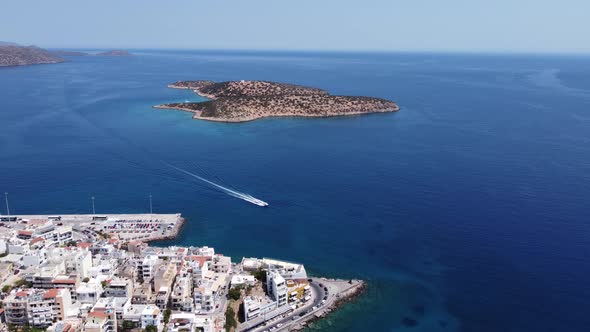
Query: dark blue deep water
[466, 211]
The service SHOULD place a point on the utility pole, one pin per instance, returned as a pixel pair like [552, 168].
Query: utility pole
[93, 211]
[151, 209]
[7, 208]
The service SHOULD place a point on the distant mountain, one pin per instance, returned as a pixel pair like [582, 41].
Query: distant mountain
[69, 53]
[26, 55]
[3, 43]
[115, 53]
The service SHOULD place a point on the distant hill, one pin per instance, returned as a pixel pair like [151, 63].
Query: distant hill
[3, 43]
[11, 55]
[115, 53]
[69, 53]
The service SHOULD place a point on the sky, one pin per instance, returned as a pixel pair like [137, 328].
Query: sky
[528, 26]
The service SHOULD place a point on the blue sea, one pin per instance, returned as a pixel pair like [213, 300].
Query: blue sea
[466, 211]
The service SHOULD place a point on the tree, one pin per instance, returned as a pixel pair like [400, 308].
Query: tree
[151, 328]
[167, 313]
[71, 243]
[86, 279]
[230, 319]
[6, 288]
[260, 274]
[127, 325]
[22, 283]
[234, 293]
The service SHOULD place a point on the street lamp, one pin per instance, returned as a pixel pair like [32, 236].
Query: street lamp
[7, 209]
[151, 209]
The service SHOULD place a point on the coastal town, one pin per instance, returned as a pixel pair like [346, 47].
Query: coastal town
[97, 273]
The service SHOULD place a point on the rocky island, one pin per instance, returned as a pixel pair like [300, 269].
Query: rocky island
[69, 53]
[240, 101]
[16, 55]
[114, 53]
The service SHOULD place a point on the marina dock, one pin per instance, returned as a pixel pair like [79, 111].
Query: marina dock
[125, 227]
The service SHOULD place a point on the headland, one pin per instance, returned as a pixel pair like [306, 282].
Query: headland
[16, 55]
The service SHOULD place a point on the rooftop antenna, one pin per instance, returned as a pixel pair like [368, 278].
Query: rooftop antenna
[93, 211]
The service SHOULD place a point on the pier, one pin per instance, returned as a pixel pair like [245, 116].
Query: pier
[125, 227]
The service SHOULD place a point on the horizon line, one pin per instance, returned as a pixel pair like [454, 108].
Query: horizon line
[343, 51]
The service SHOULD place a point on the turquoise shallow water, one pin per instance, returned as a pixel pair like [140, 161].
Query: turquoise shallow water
[465, 211]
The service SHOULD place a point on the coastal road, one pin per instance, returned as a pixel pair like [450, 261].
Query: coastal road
[318, 294]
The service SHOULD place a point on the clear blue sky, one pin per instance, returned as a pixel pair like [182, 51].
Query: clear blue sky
[384, 25]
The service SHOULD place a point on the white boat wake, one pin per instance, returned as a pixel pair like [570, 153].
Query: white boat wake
[234, 193]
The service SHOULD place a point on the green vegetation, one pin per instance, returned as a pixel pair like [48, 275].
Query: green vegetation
[23, 283]
[4, 254]
[167, 313]
[234, 293]
[27, 328]
[230, 319]
[260, 274]
[103, 283]
[127, 325]
[71, 243]
[6, 288]
[86, 279]
[151, 328]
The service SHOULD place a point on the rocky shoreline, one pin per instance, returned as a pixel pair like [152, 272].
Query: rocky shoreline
[173, 234]
[241, 101]
[344, 297]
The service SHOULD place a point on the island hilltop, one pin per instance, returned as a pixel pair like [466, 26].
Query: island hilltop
[240, 101]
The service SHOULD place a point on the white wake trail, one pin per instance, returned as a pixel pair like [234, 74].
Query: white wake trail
[237, 194]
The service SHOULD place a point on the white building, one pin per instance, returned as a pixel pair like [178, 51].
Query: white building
[101, 321]
[151, 315]
[206, 251]
[119, 287]
[243, 279]
[182, 321]
[147, 267]
[220, 264]
[276, 287]
[181, 297]
[88, 293]
[37, 307]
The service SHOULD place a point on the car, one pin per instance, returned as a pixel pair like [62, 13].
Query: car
[279, 324]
